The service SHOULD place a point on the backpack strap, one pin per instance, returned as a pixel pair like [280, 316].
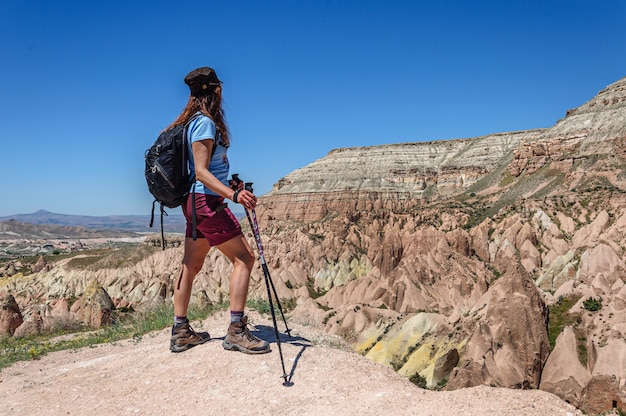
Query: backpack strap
[163, 212]
[193, 189]
[186, 145]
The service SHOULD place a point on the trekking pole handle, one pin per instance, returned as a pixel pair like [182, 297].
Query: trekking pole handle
[235, 178]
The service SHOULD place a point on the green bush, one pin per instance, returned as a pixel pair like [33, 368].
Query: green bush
[418, 380]
[592, 304]
[559, 317]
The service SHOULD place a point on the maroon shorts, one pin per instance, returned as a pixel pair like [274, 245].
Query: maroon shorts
[214, 220]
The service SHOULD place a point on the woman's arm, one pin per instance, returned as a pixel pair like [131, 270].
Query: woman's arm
[202, 152]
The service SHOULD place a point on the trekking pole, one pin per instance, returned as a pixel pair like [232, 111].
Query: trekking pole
[251, 215]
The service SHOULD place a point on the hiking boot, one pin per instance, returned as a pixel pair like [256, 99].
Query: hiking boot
[239, 338]
[184, 337]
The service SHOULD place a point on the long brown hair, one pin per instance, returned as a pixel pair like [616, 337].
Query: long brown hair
[211, 106]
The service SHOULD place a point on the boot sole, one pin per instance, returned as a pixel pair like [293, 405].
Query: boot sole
[181, 348]
[236, 347]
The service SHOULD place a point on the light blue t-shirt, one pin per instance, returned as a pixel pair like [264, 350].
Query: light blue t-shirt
[203, 128]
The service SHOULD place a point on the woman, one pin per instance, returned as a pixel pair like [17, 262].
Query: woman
[216, 226]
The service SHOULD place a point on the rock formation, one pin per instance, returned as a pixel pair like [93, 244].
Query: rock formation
[40, 265]
[509, 345]
[10, 314]
[563, 374]
[96, 306]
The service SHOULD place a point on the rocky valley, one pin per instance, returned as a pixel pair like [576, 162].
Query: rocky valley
[498, 260]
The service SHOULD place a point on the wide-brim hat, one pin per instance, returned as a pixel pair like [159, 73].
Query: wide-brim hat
[202, 80]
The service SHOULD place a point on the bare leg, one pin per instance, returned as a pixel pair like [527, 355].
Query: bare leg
[238, 337]
[193, 259]
[239, 252]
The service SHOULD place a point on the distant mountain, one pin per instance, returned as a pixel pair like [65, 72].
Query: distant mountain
[173, 222]
[12, 230]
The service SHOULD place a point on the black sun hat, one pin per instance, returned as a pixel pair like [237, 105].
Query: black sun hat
[201, 80]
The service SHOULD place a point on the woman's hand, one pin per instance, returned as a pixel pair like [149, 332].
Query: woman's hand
[237, 185]
[245, 198]
[241, 195]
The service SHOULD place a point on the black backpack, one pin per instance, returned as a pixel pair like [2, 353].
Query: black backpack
[167, 171]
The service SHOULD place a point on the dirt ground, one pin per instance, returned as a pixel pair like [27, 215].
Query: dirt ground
[144, 378]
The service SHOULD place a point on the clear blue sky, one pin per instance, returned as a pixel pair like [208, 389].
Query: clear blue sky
[86, 86]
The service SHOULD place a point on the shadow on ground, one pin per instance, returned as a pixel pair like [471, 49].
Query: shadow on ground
[269, 334]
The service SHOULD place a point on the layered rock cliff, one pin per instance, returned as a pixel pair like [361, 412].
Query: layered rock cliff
[495, 260]
[396, 177]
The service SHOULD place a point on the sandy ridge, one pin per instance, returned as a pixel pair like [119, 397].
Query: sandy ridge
[144, 378]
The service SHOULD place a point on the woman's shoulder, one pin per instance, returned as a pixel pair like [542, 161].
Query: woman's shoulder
[201, 121]
[201, 118]
[201, 126]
